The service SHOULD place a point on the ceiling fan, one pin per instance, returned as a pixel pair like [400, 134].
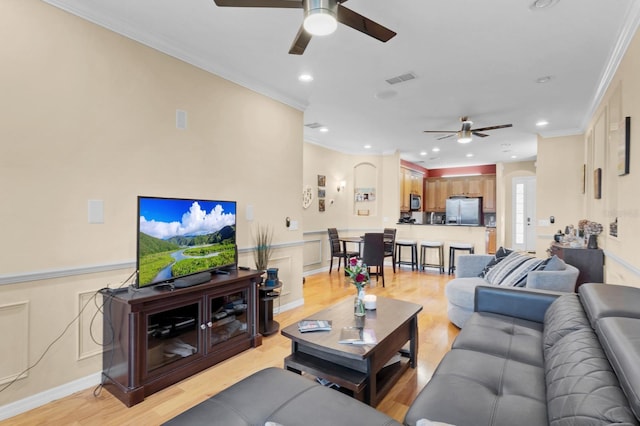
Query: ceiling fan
[464, 134]
[321, 17]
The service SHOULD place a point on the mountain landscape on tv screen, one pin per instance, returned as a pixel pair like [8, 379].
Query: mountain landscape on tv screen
[183, 237]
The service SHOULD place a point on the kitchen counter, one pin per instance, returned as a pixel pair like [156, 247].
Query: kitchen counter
[448, 234]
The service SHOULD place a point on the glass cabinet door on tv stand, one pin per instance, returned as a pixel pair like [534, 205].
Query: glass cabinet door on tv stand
[173, 337]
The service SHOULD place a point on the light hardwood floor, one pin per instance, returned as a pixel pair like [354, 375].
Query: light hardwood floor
[320, 290]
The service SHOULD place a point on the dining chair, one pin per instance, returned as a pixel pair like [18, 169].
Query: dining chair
[337, 250]
[390, 245]
[373, 253]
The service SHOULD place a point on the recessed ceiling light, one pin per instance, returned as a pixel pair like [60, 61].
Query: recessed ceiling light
[542, 4]
[367, 147]
[543, 79]
[542, 123]
[436, 149]
[305, 78]
[514, 156]
[423, 153]
[323, 129]
[469, 155]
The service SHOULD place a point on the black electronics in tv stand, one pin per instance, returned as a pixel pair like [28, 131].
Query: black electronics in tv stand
[160, 338]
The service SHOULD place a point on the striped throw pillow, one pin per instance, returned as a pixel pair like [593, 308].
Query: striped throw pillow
[513, 270]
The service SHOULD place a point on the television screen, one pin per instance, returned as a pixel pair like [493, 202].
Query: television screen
[179, 237]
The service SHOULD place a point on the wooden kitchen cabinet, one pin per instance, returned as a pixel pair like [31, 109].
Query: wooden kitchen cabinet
[489, 194]
[439, 189]
[411, 182]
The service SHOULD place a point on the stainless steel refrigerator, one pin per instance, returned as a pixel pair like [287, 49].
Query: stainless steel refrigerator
[464, 211]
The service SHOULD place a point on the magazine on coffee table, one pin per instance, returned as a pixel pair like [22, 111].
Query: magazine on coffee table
[357, 336]
[305, 326]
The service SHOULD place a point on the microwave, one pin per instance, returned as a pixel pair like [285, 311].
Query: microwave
[415, 202]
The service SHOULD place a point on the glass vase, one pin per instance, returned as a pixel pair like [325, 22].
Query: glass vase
[358, 304]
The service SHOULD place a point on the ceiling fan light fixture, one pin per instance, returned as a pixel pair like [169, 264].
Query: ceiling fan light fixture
[464, 136]
[320, 17]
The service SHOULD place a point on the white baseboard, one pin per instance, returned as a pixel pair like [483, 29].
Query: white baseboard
[42, 398]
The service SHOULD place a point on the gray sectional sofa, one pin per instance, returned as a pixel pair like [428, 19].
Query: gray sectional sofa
[525, 357]
[460, 291]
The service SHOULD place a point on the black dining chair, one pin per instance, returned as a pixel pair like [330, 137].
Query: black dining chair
[373, 253]
[336, 249]
[390, 245]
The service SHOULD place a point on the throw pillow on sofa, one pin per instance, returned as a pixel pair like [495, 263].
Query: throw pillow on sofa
[512, 271]
[501, 253]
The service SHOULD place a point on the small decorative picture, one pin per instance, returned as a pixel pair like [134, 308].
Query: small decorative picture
[322, 180]
[365, 194]
[321, 192]
[321, 205]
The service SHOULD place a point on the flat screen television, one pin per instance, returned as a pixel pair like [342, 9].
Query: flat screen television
[180, 237]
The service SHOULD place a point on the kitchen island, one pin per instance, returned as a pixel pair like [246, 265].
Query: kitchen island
[447, 234]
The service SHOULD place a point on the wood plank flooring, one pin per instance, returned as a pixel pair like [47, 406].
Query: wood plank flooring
[320, 290]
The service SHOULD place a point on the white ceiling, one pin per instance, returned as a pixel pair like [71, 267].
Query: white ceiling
[470, 57]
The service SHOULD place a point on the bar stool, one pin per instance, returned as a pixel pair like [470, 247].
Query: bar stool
[439, 246]
[453, 247]
[414, 253]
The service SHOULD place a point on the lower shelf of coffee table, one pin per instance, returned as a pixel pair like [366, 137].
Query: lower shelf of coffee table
[347, 378]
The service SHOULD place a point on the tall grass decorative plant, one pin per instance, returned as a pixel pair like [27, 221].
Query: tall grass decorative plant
[262, 238]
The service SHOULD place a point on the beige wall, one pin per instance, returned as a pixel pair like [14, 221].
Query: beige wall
[88, 114]
[560, 163]
[619, 193]
[340, 207]
[559, 185]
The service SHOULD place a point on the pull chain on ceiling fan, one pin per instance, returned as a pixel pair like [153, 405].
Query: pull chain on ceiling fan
[465, 132]
[321, 17]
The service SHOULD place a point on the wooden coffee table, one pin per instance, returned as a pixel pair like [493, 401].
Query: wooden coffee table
[359, 369]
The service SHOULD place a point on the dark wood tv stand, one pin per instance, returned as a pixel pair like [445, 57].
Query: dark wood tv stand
[156, 338]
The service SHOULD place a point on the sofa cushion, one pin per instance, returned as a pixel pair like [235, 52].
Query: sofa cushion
[461, 291]
[501, 253]
[474, 388]
[513, 270]
[581, 385]
[503, 336]
[605, 300]
[620, 339]
[562, 317]
[280, 396]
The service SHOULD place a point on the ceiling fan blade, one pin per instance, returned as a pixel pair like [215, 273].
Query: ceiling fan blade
[300, 43]
[445, 137]
[364, 25]
[296, 4]
[482, 129]
[440, 131]
[480, 135]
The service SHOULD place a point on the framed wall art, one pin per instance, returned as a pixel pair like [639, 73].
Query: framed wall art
[624, 144]
[597, 183]
[322, 180]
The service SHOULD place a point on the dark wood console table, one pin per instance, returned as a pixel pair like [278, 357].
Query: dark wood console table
[590, 262]
[156, 338]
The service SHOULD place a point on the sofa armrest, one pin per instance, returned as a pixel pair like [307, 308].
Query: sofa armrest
[564, 281]
[515, 302]
[470, 265]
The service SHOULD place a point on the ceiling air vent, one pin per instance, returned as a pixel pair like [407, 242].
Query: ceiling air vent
[401, 78]
[314, 125]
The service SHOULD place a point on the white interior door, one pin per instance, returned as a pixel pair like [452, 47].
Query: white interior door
[524, 213]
